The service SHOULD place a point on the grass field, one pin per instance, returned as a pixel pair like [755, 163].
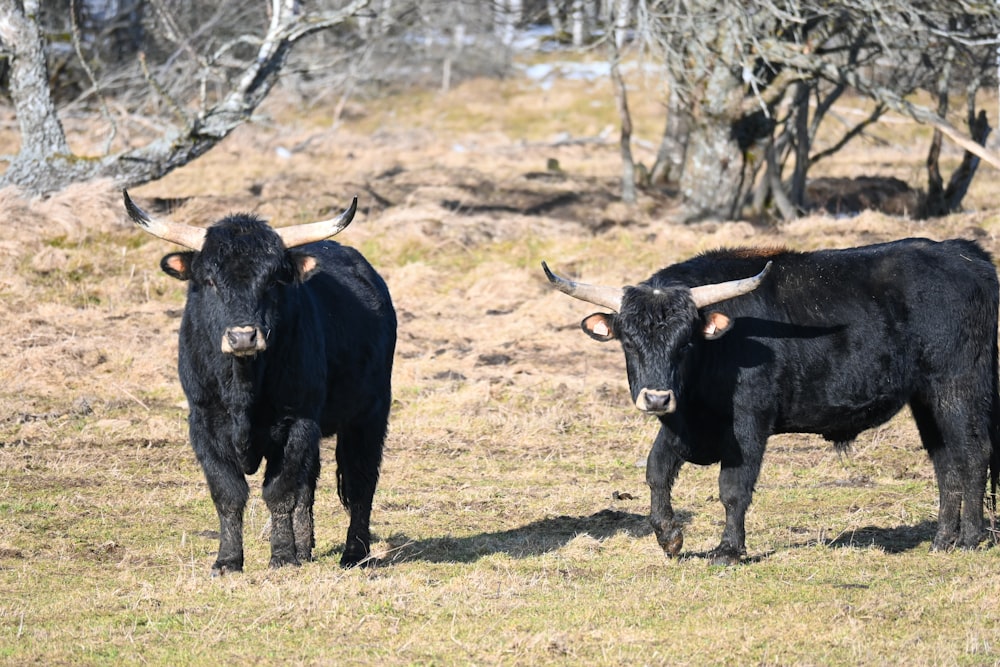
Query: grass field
[510, 519]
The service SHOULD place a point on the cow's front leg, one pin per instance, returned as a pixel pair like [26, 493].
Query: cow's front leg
[228, 487]
[302, 519]
[736, 486]
[290, 479]
[662, 467]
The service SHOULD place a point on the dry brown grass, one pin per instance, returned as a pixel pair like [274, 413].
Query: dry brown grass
[510, 515]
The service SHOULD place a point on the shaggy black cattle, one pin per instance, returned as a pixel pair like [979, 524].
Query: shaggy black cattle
[734, 345]
[285, 338]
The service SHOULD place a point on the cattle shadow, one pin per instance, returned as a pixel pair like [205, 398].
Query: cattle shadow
[534, 539]
[894, 540]
[550, 534]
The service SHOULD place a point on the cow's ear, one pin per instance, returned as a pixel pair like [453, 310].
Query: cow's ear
[177, 265]
[305, 266]
[599, 326]
[715, 325]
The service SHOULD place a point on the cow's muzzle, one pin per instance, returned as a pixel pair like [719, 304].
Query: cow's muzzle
[656, 402]
[243, 341]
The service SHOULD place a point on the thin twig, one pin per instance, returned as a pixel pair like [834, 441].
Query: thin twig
[75, 30]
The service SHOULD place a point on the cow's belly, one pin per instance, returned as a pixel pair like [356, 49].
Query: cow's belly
[842, 422]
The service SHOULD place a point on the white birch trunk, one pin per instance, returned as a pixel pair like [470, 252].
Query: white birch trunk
[578, 23]
[622, 17]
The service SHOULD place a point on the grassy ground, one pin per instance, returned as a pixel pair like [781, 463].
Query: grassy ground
[510, 518]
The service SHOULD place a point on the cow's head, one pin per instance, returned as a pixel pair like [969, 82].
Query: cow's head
[239, 269]
[656, 327]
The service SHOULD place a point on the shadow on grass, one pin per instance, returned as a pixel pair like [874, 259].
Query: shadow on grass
[895, 540]
[534, 539]
[547, 535]
[891, 540]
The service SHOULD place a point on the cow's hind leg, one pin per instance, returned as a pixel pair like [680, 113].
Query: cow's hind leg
[955, 434]
[662, 467]
[289, 489]
[736, 486]
[737, 480]
[359, 456]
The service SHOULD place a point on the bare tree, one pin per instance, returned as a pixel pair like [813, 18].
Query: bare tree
[753, 81]
[45, 162]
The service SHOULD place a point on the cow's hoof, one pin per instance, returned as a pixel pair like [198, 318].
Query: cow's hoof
[349, 560]
[220, 568]
[971, 542]
[724, 556]
[944, 543]
[282, 561]
[671, 541]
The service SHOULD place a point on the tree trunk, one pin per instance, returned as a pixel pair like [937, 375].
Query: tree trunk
[803, 145]
[578, 22]
[671, 155]
[508, 15]
[622, 13]
[554, 17]
[628, 165]
[712, 184]
[621, 10]
[934, 202]
[42, 135]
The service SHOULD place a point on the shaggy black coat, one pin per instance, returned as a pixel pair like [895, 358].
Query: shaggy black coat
[832, 342]
[327, 332]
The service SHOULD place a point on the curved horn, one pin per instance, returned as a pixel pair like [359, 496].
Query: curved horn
[706, 295]
[188, 236]
[317, 231]
[606, 297]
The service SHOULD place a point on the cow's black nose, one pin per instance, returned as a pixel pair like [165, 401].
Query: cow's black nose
[242, 339]
[656, 402]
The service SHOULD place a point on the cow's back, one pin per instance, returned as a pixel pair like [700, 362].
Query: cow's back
[837, 341]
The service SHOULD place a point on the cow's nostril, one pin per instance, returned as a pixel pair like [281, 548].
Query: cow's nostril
[657, 402]
[242, 340]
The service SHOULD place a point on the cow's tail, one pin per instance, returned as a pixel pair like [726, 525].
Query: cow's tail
[994, 450]
[994, 466]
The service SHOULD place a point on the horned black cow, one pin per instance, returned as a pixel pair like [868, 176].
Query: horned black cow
[732, 346]
[285, 338]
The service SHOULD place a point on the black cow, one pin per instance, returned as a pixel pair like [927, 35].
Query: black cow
[285, 338]
[830, 342]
